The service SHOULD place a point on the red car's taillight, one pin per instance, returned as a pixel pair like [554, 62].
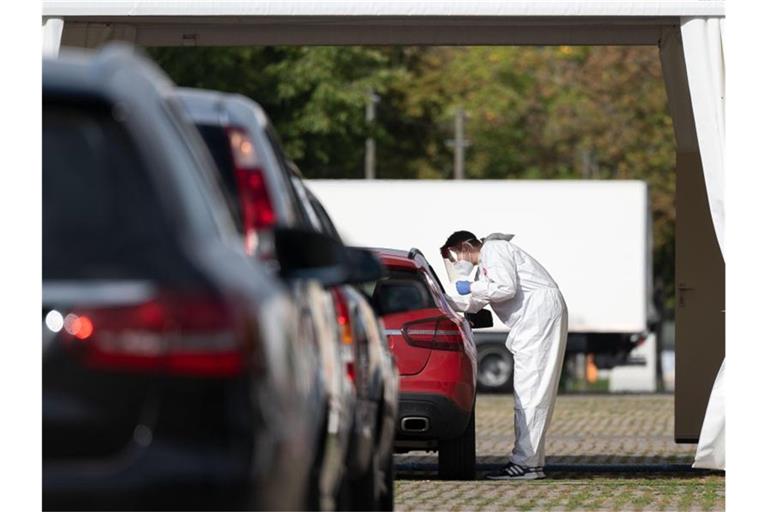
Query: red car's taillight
[439, 333]
[255, 203]
[345, 333]
[190, 335]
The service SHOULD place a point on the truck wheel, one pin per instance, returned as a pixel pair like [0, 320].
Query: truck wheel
[495, 368]
[456, 457]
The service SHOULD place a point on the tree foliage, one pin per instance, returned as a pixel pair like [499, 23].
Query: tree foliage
[533, 112]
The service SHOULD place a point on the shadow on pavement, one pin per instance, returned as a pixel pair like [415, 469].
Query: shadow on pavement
[568, 467]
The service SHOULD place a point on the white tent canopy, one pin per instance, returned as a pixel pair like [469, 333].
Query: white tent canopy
[385, 8]
[153, 23]
[688, 33]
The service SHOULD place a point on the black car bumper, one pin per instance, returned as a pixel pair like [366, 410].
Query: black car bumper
[444, 419]
[161, 476]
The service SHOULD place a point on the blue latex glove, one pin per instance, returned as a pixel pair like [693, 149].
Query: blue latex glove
[462, 287]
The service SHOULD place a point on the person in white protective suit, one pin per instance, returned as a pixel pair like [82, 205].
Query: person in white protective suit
[527, 299]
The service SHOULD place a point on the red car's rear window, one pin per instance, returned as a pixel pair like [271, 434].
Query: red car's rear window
[400, 291]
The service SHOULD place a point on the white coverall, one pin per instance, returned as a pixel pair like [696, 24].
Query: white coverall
[527, 299]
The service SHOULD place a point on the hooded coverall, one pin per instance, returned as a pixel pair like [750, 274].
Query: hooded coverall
[528, 301]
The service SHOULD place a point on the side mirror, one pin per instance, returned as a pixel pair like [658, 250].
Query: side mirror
[480, 319]
[363, 266]
[304, 254]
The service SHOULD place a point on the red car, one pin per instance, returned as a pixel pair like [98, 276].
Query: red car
[437, 360]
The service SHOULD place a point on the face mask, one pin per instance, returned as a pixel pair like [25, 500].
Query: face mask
[463, 267]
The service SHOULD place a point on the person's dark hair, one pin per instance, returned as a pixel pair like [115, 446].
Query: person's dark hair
[458, 237]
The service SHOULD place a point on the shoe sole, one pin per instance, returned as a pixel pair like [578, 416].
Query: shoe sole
[527, 476]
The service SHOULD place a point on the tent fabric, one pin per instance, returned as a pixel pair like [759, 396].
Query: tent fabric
[52, 30]
[710, 453]
[702, 44]
[385, 8]
[703, 48]
[226, 23]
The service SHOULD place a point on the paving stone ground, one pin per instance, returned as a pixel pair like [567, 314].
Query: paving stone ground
[604, 452]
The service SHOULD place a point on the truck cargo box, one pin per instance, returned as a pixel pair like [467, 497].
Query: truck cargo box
[592, 236]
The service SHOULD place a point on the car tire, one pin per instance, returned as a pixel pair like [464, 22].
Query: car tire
[495, 368]
[375, 490]
[313, 492]
[386, 501]
[456, 457]
[362, 491]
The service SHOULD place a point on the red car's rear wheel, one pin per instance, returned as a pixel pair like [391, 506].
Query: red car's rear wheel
[456, 457]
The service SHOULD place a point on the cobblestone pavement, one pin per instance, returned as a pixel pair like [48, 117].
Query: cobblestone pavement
[604, 452]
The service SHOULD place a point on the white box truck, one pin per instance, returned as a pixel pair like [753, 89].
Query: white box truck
[594, 237]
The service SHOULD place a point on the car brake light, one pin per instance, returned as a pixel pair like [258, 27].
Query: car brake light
[345, 331]
[255, 203]
[189, 335]
[80, 327]
[439, 333]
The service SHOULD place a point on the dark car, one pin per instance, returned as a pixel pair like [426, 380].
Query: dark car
[251, 163]
[176, 370]
[369, 480]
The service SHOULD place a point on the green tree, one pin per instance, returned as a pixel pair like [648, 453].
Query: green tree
[315, 96]
[558, 112]
[533, 112]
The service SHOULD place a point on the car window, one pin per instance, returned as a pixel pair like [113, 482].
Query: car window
[401, 291]
[309, 211]
[102, 217]
[438, 292]
[286, 175]
[325, 219]
[217, 141]
[432, 274]
[277, 147]
[215, 210]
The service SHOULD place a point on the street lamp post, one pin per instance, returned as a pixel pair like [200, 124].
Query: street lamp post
[458, 143]
[370, 143]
